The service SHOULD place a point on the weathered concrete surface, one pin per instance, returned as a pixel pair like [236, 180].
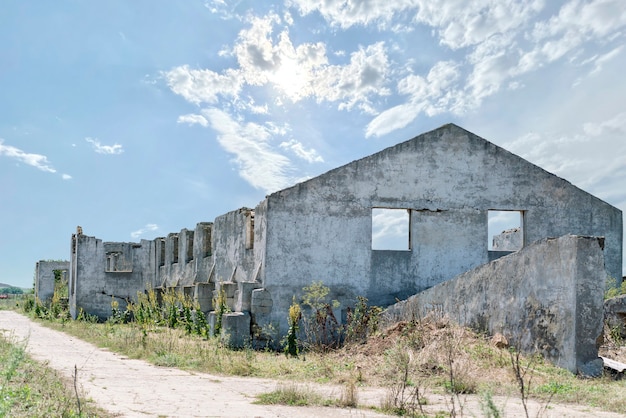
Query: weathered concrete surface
[236, 260]
[449, 179]
[615, 314]
[321, 229]
[44, 277]
[509, 240]
[546, 298]
[101, 272]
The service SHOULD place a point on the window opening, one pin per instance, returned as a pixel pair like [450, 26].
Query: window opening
[206, 242]
[162, 252]
[116, 262]
[505, 230]
[391, 229]
[190, 235]
[250, 231]
[175, 249]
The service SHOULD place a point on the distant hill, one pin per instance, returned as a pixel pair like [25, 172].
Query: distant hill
[6, 285]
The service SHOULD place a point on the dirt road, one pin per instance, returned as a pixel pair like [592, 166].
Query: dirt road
[134, 388]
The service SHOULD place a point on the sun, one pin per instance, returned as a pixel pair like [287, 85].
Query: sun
[291, 78]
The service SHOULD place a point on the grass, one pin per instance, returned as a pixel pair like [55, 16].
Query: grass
[293, 395]
[9, 303]
[437, 356]
[30, 389]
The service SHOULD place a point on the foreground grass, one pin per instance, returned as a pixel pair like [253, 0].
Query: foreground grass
[424, 355]
[12, 303]
[30, 389]
[294, 396]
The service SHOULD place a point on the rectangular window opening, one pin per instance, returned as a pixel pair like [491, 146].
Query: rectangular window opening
[175, 249]
[190, 245]
[505, 230]
[162, 252]
[206, 241]
[391, 229]
[117, 263]
[250, 230]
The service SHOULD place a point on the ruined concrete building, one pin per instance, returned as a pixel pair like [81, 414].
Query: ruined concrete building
[441, 185]
[45, 279]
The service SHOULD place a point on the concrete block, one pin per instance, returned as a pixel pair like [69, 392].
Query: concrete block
[203, 295]
[236, 329]
[211, 320]
[261, 302]
[229, 288]
[244, 295]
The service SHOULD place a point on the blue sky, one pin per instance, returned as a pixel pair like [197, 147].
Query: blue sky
[138, 118]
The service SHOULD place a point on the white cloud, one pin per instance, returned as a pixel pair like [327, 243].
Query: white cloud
[576, 23]
[461, 24]
[603, 59]
[390, 229]
[581, 157]
[304, 70]
[145, 229]
[258, 164]
[267, 57]
[308, 155]
[347, 13]
[499, 52]
[353, 84]
[192, 119]
[104, 149]
[458, 23]
[66, 177]
[433, 94]
[392, 119]
[35, 160]
[203, 86]
[614, 126]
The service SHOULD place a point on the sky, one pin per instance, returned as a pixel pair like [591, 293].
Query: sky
[134, 119]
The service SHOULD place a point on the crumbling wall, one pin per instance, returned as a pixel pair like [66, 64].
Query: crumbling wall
[185, 258]
[509, 240]
[448, 179]
[44, 277]
[547, 298]
[101, 272]
[234, 246]
[179, 266]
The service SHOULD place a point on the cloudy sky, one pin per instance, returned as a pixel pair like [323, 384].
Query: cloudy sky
[138, 118]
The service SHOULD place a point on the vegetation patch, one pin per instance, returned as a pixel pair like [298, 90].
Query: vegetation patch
[293, 395]
[29, 389]
[412, 360]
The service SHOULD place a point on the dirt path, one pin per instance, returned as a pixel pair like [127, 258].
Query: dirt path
[134, 388]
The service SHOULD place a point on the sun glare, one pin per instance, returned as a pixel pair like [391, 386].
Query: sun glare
[290, 78]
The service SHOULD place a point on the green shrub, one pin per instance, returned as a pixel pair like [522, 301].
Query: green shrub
[295, 315]
[612, 289]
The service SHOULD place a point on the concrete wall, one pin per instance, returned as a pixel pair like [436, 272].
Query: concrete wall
[186, 257]
[546, 298]
[235, 260]
[449, 179]
[509, 240]
[44, 278]
[321, 230]
[95, 282]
